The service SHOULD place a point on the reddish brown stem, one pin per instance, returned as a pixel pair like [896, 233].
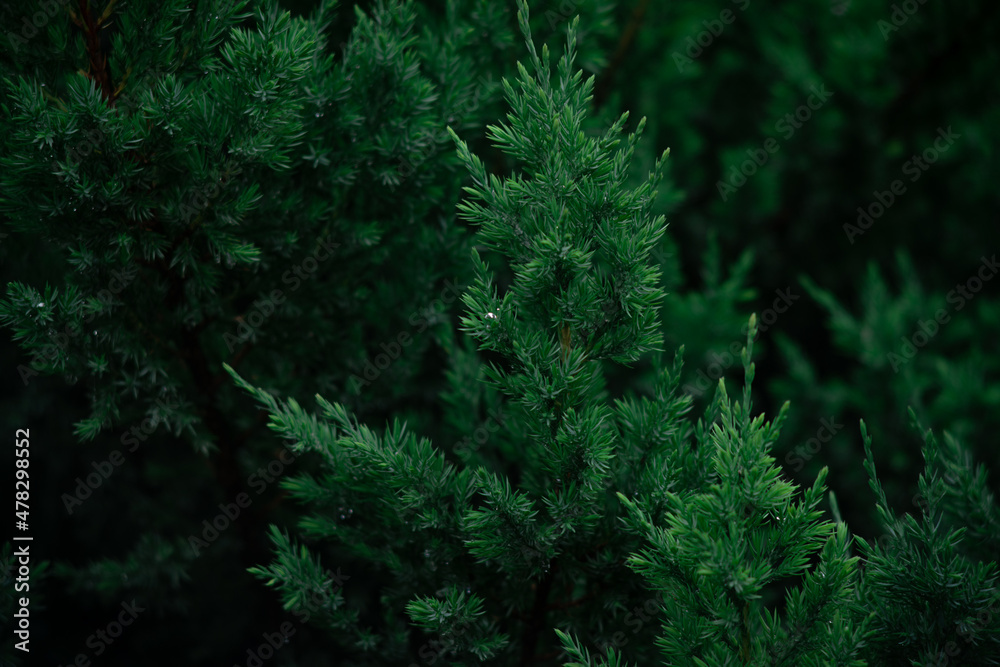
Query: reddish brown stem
[99, 72]
[606, 78]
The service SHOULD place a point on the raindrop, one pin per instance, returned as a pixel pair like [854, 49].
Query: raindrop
[468, 589]
[95, 332]
[491, 316]
[40, 304]
[427, 553]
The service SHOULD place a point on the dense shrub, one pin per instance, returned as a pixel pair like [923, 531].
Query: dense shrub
[483, 346]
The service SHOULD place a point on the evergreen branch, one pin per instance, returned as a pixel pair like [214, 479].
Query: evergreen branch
[106, 14]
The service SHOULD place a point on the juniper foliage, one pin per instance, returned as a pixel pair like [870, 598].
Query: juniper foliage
[167, 169]
[194, 185]
[526, 549]
[583, 292]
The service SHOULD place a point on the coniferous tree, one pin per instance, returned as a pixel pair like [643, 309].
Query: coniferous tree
[186, 186]
[925, 350]
[209, 184]
[787, 141]
[931, 579]
[522, 541]
[583, 292]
